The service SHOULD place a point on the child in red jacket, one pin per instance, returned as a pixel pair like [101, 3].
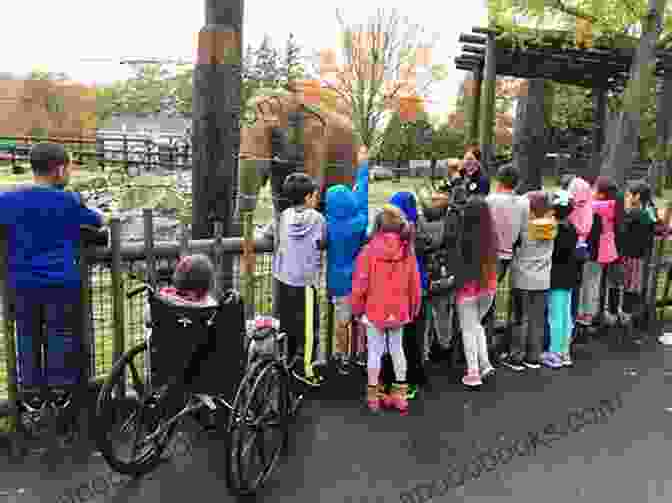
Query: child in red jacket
[386, 294]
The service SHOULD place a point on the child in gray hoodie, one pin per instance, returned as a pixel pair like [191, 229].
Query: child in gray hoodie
[298, 237]
[531, 276]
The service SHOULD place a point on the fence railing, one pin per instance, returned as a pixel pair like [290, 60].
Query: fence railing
[128, 151]
[113, 323]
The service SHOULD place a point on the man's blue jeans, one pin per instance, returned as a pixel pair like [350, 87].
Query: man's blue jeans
[59, 311]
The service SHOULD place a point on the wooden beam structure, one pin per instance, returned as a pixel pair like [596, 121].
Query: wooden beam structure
[487, 122]
[474, 105]
[599, 122]
[579, 67]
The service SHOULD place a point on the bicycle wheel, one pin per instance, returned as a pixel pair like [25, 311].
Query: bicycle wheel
[258, 426]
[133, 412]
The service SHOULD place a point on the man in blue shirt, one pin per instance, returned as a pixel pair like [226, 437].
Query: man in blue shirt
[42, 224]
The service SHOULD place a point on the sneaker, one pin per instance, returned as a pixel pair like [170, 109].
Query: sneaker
[665, 339]
[584, 320]
[552, 360]
[487, 372]
[566, 360]
[513, 363]
[472, 378]
[531, 365]
[314, 381]
[343, 367]
[412, 391]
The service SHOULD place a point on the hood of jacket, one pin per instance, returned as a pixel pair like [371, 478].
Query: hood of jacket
[341, 203]
[582, 214]
[300, 221]
[388, 247]
[405, 201]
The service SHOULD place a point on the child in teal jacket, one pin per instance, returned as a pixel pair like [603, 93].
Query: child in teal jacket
[347, 220]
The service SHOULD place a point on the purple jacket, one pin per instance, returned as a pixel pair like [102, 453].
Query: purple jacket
[297, 235]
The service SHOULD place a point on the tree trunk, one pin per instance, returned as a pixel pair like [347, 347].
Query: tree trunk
[661, 162]
[529, 136]
[216, 123]
[622, 143]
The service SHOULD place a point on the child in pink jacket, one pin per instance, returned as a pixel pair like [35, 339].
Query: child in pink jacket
[605, 204]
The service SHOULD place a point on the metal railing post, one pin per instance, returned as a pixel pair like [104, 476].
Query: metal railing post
[118, 317]
[148, 221]
[8, 325]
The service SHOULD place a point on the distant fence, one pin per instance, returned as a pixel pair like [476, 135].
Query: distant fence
[127, 151]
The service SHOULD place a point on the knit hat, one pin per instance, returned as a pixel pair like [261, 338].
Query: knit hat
[194, 273]
[471, 166]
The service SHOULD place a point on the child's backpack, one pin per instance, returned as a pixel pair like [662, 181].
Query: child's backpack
[443, 257]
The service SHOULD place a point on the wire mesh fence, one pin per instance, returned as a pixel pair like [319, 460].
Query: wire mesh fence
[101, 312]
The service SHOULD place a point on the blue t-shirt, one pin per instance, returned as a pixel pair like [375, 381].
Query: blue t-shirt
[43, 232]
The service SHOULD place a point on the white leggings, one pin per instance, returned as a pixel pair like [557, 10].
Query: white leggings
[377, 347]
[471, 312]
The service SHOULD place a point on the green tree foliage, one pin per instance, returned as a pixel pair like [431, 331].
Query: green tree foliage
[399, 141]
[153, 88]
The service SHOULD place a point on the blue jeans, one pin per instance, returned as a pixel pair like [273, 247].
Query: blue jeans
[54, 356]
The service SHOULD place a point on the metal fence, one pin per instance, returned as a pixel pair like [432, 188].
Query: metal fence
[113, 323]
[132, 152]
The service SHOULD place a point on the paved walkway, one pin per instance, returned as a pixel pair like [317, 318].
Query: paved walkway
[340, 454]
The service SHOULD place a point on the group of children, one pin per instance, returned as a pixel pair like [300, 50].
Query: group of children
[564, 250]
[558, 246]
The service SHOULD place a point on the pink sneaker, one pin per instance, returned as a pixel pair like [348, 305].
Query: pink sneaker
[473, 378]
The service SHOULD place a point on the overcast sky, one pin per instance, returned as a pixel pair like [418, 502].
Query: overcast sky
[58, 35]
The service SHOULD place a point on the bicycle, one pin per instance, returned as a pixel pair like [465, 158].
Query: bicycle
[264, 399]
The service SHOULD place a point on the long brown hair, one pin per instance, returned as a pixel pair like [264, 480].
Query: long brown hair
[479, 242]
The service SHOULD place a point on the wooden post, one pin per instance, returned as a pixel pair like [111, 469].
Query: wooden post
[475, 105]
[117, 298]
[216, 121]
[487, 123]
[148, 221]
[599, 120]
[660, 166]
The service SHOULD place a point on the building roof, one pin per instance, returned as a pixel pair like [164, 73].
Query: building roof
[160, 123]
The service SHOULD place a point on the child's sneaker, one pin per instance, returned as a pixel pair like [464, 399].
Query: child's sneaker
[566, 360]
[513, 363]
[487, 372]
[399, 398]
[552, 360]
[412, 391]
[373, 399]
[472, 378]
[314, 381]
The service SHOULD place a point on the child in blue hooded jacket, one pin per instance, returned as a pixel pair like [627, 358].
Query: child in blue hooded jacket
[413, 342]
[347, 220]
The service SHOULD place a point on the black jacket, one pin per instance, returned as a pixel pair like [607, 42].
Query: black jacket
[636, 235]
[565, 268]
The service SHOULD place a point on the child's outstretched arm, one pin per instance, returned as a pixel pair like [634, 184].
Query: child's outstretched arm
[362, 182]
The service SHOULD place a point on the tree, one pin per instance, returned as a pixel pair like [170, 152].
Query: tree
[380, 59]
[616, 19]
[262, 69]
